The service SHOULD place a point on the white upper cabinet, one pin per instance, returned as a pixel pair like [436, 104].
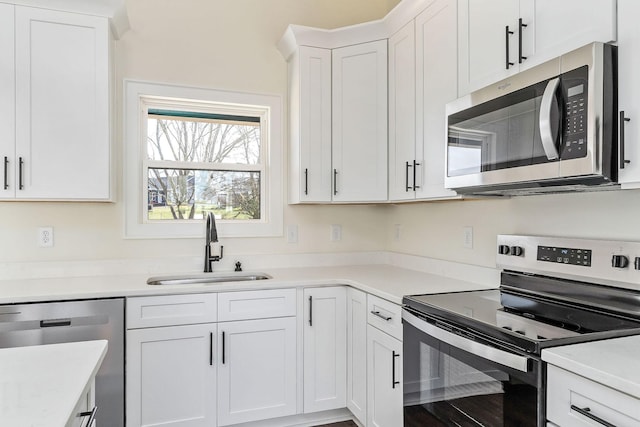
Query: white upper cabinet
[60, 149]
[422, 79]
[500, 37]
[7, 100]
[629, 92]
[359, 113]
[310, 125]
[402, 114]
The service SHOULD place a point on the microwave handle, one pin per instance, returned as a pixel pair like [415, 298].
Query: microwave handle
[549, 123]
[514, 361]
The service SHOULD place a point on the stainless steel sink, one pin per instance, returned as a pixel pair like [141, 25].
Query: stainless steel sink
[206, 279]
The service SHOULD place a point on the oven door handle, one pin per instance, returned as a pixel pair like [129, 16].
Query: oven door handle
[502, 357]
[549, 122]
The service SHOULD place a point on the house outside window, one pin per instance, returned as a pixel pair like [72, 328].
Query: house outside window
[199, 152]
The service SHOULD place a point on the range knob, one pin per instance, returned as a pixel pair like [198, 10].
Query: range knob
[517, 251]
[636, 263]
[619, 261]
[503, 250]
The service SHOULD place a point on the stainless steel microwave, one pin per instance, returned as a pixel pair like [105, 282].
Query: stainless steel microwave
[549, 128]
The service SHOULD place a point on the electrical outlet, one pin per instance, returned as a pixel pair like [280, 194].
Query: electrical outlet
[336, 232]
[45, 237]
[467, 237]
[292, 233]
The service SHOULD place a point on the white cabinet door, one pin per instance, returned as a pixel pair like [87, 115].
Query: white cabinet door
[256, 370]
[310, 121]
[359, 77]
[561, 27]
[325, 348]
[384, 388]
[482, 48]
[402, 113]
[62, 105]
[629, 89]
[171, 376]
[550, 29]
[7, 101]
[436, 85]
[357, 354]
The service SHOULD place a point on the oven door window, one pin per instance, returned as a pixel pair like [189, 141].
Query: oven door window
[446, 386]
[498, 134]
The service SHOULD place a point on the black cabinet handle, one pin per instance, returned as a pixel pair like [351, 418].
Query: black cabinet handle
[520, 27]
[406, 177]
[210, 348]
[335, 182]
[223, 348]
[310, 310]
[306, 181]
[383, 317]
[6, 173]
[20, 165]
[587, 413]
[91, 414]
[394, 383]
[507, 33]
[415, 170]
[623, 119]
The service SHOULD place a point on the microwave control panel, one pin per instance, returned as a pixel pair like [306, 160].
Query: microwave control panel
[574, 141]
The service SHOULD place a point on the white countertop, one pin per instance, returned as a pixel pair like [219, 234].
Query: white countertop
[613, 362]
[385, 281]
[41, 385]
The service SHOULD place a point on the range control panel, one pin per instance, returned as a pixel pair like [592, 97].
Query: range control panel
[608, 262]
[571, 256]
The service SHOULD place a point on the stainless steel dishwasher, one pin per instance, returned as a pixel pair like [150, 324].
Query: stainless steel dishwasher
[70, 321]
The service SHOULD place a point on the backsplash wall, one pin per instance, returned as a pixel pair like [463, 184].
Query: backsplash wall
[436, 229]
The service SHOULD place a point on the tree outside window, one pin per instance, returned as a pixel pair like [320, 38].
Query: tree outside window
[199, 162]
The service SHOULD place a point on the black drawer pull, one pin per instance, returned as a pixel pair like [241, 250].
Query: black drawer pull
[382, 316]
[587, 413]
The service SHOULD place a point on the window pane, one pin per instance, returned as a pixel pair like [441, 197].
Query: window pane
[189, 139]
[191, 194]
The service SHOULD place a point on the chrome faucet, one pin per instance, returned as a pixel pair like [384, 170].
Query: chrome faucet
[211, 236]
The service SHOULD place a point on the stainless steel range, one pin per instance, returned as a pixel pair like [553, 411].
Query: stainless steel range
[473, 358]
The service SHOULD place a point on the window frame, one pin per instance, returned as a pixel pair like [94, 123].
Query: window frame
[139, 97]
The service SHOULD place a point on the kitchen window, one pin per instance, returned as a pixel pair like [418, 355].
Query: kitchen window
[191, 151]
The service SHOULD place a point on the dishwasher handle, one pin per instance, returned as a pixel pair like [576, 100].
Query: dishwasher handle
[51, 323]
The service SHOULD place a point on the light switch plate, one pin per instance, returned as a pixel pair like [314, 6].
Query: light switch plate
[467, 237]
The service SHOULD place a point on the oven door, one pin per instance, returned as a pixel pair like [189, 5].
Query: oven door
[454, 379]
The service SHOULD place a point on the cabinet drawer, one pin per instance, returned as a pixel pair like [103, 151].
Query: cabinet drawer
[385, 316]
[256, 304]
[171, 310]
[566, 389]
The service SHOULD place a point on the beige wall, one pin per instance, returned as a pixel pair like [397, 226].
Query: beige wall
[436, 229]
[221, 44]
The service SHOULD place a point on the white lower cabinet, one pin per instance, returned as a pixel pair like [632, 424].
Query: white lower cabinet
[357, 354]
[325, 348]
[256, 370]
[171, 376]
[576, 401]
[384, 385]
[202, 360]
